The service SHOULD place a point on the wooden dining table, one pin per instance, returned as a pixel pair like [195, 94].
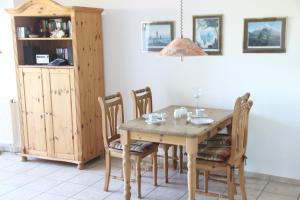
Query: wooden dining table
[174, 132]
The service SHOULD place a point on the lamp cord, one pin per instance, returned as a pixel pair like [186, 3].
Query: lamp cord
[181, 18]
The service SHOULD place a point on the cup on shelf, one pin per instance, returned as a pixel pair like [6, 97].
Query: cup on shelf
[23, 32]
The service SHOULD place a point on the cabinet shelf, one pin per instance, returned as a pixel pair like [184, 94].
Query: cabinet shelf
[47, 66]
[43, 39]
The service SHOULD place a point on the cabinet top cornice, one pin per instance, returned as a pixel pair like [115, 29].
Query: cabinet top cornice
[47, 8]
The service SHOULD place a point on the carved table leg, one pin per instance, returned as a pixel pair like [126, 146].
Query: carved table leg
[166, 162]
[126, 163]
[180, 159]
[191, 148]
[175, 157]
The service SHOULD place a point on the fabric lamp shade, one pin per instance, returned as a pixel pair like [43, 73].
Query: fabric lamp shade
[182, 47]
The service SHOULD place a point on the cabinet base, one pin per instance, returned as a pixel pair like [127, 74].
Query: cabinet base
[80, 166]
[24, 158]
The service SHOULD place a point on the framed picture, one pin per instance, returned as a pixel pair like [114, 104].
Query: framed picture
[265, 35]
[207, 33]
[157, 35]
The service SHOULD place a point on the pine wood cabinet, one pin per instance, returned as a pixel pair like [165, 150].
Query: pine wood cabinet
[61, 118]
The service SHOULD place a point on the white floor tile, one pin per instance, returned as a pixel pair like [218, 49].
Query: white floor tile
[6, 175]
[42, 170]
[46, 196]
[19, 194]
[283, 188]
[18, 180]
[67, 189]
[64, 174]
[272, 196]
[92, 194]
[6, 163]
[45, 180]
[199, 197]
[42, 184]
[6, 188]
[164, 192]
[86, 178]
[20, 167]
[114, 185]
[256, 184]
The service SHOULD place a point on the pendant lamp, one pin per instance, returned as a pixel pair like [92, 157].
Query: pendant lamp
[181, 47]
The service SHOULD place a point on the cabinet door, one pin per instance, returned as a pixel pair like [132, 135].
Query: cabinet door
[33, 113]
[61, 111]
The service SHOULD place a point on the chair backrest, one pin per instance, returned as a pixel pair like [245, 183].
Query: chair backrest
[112, 112]
[142, 100]
[240, 128]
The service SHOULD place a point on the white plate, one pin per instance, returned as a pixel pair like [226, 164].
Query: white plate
[202, 121]
[155, 121]
[146, 116]
[199, 116]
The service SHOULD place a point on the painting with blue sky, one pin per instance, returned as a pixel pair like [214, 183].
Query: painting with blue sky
[264, 34]
[157, 35]
[208, 33]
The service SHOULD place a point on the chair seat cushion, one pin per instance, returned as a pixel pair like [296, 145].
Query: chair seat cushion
[213, 153]
[136, 146]
[219, 140]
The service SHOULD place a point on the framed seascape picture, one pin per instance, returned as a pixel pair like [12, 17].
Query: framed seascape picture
[157, 35]
[207, 33]
[265, 35]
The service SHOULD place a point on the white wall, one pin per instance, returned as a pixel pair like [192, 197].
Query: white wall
[7, 74]
[273, 79]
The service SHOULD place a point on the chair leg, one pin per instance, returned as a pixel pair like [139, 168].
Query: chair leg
[206, 175]
[197, 179]
[154, 162]
[180, 159]
[166, 162]
[122, 175]
[175, 157]
[242, 181]
[138, 176]
[107, 171]
[234, 186]
[230, 183]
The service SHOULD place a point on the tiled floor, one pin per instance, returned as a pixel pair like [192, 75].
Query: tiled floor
[45, 180]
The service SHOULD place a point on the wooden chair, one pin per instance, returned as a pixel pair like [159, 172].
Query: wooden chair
[226, 158]
[112, 115]
[142, 100]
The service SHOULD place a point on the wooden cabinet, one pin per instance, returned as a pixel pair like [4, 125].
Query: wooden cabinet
[60, 114]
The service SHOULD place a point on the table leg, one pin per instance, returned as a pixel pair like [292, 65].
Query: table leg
[191, 148]
[125, 140]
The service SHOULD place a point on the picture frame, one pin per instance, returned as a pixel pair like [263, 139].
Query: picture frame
[208, 33]
[156, 35]
[265, 35]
